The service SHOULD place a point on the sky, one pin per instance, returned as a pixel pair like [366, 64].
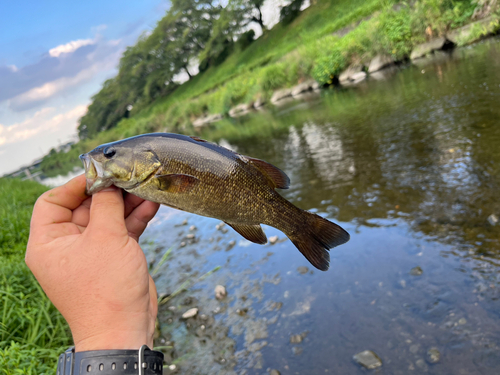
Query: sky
[54, 55]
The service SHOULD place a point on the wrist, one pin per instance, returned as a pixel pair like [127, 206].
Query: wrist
[116, 339]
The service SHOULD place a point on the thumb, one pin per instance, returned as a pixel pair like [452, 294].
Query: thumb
[107, 211]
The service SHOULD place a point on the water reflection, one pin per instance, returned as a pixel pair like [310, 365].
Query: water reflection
[410, 165]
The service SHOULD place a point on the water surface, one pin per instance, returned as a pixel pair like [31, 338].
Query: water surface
[409, 164]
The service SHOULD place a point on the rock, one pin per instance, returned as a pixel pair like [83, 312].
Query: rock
[297, 350]
[239, 110]
[493, 219]
[274, 372]
[346, 75]
[302, 270]
[220, 292]
[402, 283]
[414, 348]
[280, 95]
[462, 321]
[297, 339]
[416, 271]
[259, 103]
[192, 228]
[304, 86]
[202, 121]
[368, 359]
[273, 240]
[380, 62]
[423, 49]
[191, 313]
[422, 365]
[468, 34]
[433, 355]
[358, 77]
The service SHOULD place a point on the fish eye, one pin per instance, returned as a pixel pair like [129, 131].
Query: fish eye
[109, 152]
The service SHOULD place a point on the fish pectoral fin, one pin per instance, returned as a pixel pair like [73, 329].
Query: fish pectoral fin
[253, 233]
[277, 177]
[176, 183]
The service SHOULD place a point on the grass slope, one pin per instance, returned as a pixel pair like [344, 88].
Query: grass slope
[32, 332]
[307, 48]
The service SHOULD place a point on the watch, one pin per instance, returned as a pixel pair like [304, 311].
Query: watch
[111, 362]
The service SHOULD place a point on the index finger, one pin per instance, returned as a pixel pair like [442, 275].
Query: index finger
[57, 205]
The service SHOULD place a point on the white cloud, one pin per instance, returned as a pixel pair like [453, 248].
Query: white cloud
[50, 89]
[44, 121]
[70, 47]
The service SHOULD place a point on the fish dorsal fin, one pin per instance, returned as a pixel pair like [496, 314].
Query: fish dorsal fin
[253, 233]
[197, 139]
[176, 183]
[277, 177]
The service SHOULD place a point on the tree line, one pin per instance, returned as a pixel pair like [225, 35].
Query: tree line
[206, 31]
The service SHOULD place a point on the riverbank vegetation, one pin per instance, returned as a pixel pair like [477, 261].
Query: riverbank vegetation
[317, 43]
[32, 332]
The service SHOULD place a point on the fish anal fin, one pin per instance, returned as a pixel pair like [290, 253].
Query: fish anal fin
[176, 183]
[277, 177]
[252, 233]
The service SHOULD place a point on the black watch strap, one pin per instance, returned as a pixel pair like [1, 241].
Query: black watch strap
[111, 362]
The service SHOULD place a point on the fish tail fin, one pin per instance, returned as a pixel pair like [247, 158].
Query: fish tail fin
[314, 236]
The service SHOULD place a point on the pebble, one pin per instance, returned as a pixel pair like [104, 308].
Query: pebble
[274, 372]
[493, 219]
[297, 339]
[184, 222]
[368, 359]
[220, 225]
[416, 271]
[182, 244]
[190, 236]
[433, 355]
[172, 308]
[192, 228]
[302, 270]
[273, 240]
[297, 350]
[462, 321]
[172, 367]
[422, 365]
[220, 292]
[402, 283]
[190, 313]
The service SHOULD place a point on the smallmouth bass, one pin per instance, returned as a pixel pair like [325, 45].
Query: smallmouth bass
[193, 175]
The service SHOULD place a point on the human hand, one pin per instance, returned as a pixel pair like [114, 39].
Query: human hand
[84, 253]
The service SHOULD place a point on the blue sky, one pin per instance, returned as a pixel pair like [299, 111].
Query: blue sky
[54, 55]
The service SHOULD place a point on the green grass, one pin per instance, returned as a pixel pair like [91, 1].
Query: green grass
[32, 332]
[306, 48]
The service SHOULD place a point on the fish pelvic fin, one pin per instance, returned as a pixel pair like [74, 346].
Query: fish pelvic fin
[315, 237]
[277, 178]
[176, 183]
[252, 233]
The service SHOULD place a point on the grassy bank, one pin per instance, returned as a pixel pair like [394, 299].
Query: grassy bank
[32, 332]
[324, 40]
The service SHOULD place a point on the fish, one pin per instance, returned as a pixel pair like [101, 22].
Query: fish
[201, 177]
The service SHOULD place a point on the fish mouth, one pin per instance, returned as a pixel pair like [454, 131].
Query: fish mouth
[94, 174]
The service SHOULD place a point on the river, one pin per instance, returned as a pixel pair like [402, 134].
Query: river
[409, 165]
